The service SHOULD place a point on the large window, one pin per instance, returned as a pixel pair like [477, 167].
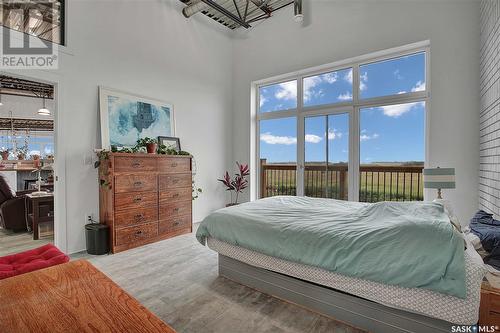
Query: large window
[352, 132]
[44, 19]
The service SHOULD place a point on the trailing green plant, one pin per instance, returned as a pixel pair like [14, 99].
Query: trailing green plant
[103, 156]
[163, 150]
[196, 191]
[143, 142]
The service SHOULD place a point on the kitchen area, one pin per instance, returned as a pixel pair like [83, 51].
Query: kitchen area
[26, 163]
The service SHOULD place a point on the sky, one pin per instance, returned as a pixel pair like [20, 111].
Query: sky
[393, 133]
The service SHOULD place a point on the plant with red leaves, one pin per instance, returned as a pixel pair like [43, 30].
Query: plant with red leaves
[238, 184]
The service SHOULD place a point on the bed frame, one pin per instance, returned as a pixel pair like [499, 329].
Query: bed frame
[354, 310]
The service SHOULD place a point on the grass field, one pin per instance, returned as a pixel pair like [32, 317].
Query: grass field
[384, 183]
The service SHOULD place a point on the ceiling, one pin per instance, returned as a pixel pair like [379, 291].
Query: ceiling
[44, 19]
[235, 13]
[20, 87]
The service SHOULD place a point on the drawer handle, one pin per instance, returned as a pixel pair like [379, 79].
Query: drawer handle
[176, 223]
[138, 217]
[176, 195]
[173, 165]
[137, 184]
[176, 210]
[175, 180]
[136, 164]
[138, 233]
[138, 199]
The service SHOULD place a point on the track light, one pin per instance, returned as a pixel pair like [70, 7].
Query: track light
[297, 10]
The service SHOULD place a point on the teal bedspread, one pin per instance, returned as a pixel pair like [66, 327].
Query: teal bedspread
[409, 244]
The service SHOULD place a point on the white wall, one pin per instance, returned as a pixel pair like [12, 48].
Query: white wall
[337, 30]
[149, 48]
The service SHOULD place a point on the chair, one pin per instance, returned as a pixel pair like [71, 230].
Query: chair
[12, 208]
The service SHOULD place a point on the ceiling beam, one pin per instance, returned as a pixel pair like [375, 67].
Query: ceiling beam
[227, 13]
[262, 5]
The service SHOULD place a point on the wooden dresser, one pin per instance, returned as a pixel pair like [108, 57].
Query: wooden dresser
[145, 198]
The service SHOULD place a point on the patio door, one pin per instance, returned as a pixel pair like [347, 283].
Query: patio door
[324, 172]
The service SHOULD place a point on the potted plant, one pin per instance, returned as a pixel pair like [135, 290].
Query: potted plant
[238, 184]
[22, 152]
[150, 144]
[5, 154]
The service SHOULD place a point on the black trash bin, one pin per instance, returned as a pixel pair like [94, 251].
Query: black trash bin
[97, 236]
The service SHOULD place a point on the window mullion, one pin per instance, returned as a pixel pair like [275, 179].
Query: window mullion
[299, 180]
[353, 176]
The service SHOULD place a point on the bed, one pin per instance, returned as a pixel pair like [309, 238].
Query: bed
[356, 262]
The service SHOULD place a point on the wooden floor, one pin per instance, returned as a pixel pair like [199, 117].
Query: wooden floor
[11, 242]
[177, 280]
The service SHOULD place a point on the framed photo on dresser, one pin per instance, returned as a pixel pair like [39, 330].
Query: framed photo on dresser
[170, 142]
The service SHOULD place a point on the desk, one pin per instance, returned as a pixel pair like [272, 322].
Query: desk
[72, 297]
[40, 210]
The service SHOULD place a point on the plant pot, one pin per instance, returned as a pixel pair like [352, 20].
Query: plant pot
[20, 157]
[151, 148]
[5, 155]
[231, 204]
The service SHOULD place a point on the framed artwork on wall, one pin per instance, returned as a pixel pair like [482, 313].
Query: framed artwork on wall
[170, 142]
[126, 117]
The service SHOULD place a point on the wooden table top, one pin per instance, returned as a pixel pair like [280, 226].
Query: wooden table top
[72, 297]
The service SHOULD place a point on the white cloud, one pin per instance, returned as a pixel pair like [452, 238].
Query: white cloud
[397, 74]
[334, 134]
[348, 76]
[330, 77]
[420, 86]
[345, 97]
[311, 82]
[399, 109]
[278, 140]
[262, 100]
[402, 92]
[363, 79]
[287, 91]
[311, 138]
[366, 137]
[288, 140]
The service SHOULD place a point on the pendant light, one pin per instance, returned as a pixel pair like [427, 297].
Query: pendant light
[44, 111]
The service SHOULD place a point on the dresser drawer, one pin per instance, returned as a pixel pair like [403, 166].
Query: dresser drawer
[135, 183]
[173, 224]
[175, 209]
[135, 200]
[174, 165]
[136, 216]
[175, 181]
[176, 194]
[136, 234]
[131, 164]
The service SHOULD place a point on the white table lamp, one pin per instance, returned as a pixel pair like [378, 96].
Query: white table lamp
[439, 178]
